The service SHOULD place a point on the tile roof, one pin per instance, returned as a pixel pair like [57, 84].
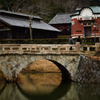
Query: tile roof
[61, 18]
[19, 14]
[23, 22]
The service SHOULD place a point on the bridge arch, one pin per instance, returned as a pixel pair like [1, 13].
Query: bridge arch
[11, 65]
[64, 71]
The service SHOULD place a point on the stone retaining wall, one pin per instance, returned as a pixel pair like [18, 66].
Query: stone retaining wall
[88, 71]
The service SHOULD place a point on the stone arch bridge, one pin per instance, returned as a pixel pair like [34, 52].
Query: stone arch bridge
[11, 65]
[13, 58]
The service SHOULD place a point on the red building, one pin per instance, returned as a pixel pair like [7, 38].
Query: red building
[82, 22]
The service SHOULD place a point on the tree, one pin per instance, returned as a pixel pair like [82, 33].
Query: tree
[11, 5]
[46, 9]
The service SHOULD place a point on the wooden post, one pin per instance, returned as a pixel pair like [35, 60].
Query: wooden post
[88, 48]
[1, 49]
[21, 51]
[97, 47]
[99, 37]
[58, 48]
[40, 49]
[30, 48]
[10, 48]
[30, 27]
[49, 47]
[67, 48]
[77, 46]
[99, 33]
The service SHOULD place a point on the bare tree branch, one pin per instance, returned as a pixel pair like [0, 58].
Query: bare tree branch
[7, 4]
[19, 4]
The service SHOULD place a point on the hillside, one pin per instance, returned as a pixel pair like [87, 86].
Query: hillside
[46, 9]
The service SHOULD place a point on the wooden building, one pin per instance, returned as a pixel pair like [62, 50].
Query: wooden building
[83, 22]
[18, 26]
[62, 21]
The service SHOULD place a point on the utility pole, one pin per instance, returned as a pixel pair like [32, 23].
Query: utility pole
[30, 27]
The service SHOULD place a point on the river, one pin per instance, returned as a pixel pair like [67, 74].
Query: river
[47, 86]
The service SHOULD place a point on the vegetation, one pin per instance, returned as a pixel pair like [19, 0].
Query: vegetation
[46, 9]
[47, 41]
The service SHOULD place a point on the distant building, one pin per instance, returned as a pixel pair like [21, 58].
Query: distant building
[62, 21]
[17, 26]
[82, 22]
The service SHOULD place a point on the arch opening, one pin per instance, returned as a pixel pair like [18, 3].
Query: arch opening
[41, 66]
[47, 66]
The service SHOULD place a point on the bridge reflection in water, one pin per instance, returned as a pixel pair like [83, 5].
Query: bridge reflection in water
[47, 86]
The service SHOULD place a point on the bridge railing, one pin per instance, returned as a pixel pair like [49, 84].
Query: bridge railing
[47, 48]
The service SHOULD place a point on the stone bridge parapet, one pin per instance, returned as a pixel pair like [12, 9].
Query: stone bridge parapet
[48, 48]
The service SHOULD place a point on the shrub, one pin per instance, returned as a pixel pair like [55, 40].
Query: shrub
[47, 41]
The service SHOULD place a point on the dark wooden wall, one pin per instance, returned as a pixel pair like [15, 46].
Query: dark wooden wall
[5, 31]
[20, 33]
[24, 33]
[65, 28]
[43, 34]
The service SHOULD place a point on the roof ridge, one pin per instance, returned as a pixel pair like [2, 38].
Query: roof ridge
[63, 13]
[20, 14]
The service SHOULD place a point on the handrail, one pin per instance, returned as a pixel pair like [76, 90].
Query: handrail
[47, 48]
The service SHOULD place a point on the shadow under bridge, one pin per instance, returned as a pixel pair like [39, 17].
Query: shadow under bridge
[65, 73]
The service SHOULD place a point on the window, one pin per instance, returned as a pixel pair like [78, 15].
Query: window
[84, 23]
[89, 23]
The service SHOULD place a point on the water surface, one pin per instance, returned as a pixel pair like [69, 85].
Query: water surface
[47, 86]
